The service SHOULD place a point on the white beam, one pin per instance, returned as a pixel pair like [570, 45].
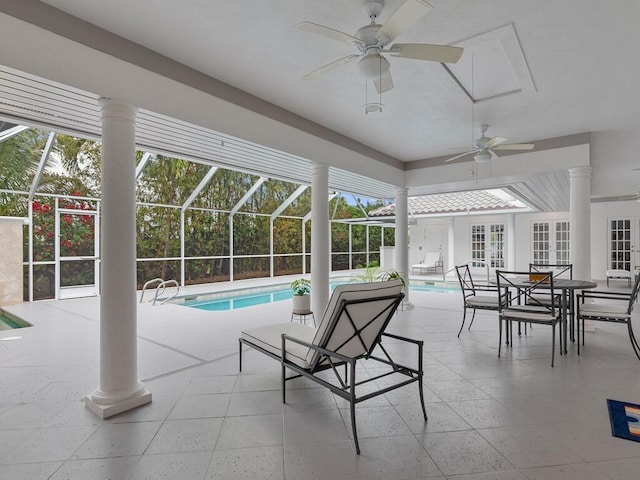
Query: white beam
[247, 196]
[143, 161]
[288, 201]
[43, 163]
[198, 189]
[12, 132]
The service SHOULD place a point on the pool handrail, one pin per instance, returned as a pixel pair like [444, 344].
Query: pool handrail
[144, 287]
[468, 262]
[160, 289]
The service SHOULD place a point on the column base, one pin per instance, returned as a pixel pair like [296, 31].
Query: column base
[407, 306]
[103, 407]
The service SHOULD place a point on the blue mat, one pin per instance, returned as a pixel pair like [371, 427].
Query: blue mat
[625, 419]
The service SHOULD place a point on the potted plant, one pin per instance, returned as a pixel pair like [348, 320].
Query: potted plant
[393, 275]
[301, 295]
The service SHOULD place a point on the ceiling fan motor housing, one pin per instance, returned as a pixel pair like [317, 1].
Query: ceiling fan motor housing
[372, 8]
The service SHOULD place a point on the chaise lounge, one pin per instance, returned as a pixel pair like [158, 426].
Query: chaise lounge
[351, 329]
[430, 264]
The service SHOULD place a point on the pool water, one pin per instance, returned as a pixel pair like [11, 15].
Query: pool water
[239, 300]
[242, 299]
[9, 322]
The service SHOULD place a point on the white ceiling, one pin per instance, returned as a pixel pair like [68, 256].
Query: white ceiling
[574, 50]
[567, 67]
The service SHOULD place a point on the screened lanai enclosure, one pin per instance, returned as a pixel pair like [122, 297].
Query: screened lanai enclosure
[196, 222]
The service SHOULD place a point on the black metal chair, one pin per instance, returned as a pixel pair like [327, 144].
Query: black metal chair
[477, 297]
[608, 307]
[351, 329]
[559, 270]
[524, 306]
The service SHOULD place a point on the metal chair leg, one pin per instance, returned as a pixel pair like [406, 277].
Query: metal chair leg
[553, 346]
[464, 318]
[473, 317]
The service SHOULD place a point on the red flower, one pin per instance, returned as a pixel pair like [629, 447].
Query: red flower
[36, 206]
[45, 208]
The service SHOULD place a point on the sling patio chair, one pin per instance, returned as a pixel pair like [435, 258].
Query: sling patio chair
[477, 297]
[524, 306]
[608, 307]
[351, 329]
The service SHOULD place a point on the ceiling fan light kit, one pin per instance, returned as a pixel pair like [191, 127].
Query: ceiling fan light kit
[374, 40]
[482, 157]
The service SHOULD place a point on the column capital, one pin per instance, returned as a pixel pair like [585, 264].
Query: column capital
[584, 171]
[114, 108]
[319, 168]
[401, 192]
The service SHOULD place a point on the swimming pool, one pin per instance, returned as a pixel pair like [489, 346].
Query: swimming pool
[9, 322]
[251, 297]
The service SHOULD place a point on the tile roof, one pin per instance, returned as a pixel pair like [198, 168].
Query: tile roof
[455, 203]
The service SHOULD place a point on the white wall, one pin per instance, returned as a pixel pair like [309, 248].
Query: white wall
[601, 213]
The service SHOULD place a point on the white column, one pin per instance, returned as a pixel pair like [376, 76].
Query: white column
[320, 238]
[402, 239]
[119, 388]
[451, 244]
[511, 242]
[580, 222]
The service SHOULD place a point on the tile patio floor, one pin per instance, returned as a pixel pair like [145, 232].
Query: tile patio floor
[489, 418]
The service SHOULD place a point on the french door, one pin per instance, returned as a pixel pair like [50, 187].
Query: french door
[624, 248]
[487, 244]
[550, 242]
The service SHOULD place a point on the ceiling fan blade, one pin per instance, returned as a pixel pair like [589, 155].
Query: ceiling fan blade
[330, 33]
[515, 146]
[421, 51]
[493, 141]
[329, 66]
[385, 83]
[407, 15]
[460, 156]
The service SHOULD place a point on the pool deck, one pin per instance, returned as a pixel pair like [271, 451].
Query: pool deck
[513, 417]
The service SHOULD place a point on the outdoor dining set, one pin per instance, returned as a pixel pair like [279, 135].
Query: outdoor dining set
[547, 295]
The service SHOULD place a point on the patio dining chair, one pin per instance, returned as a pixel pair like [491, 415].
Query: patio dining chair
[606, 306]
[525, 307]
[477, 297]
[351, 329]
[558, 270]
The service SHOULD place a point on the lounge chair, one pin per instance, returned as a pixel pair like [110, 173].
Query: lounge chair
[351, 329]
[430, 264]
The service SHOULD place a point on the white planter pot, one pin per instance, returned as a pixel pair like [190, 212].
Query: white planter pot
[301, 304]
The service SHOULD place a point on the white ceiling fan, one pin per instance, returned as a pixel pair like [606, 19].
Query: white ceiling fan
[484, 148]
[373, 40]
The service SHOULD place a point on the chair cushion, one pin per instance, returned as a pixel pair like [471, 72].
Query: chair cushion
[334, 338]
[486, 301]
[528, 314]
[269, 338]
[604, 310]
